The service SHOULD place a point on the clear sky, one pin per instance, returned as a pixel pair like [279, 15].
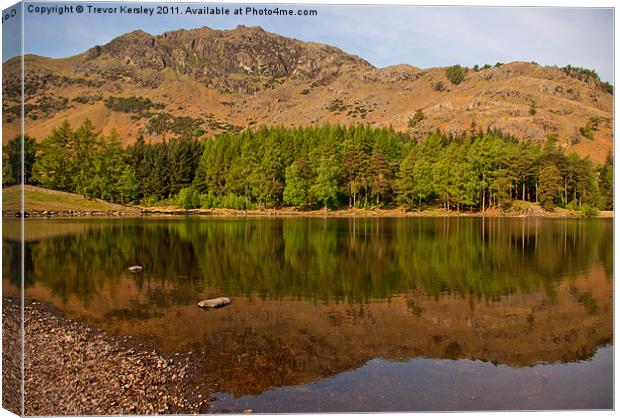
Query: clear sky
[383, 35]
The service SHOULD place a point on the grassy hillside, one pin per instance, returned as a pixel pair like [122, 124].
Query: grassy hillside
[39, 199]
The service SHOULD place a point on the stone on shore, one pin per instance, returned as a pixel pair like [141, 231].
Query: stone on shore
[135, 269]
[214, 303]
[534, 210]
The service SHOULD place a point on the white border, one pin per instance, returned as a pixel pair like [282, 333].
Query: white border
[558, 3]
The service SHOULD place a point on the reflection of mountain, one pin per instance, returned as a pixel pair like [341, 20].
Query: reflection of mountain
[313, 298]
[254, 345]
[259, 346]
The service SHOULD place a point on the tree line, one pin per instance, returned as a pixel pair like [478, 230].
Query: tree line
[328, 166]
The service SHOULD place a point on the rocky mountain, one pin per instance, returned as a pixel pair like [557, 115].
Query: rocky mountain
[206, 80]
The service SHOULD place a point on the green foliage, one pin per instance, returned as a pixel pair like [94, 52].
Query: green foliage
[44, 105]
[84, 162]
[491, 170]
[325, 188]
[262, 165]
[326, 166]
[589, 210]
[455, 74]
[439, 86]
[606, 183]
[588, 76]
[86, 99]
[229, 201]
[198, 132]
[67, 160]
[127, 186]
[594, 121]
[164, 168]
[188, 198]
[476, 68]
[295, 193]
[533, 109]
[136, 105]
[151, 201]
[586, 131]
[8, 178]
[550, 185]
[582, 74]
[573, 205]
[414, 184]
[12, 160]
[590, 127]
[165, 122]
[208, 201]
[337, 106]
[415, 119]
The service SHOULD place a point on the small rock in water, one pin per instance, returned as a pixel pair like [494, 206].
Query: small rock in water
[135, 269]
[214, 303]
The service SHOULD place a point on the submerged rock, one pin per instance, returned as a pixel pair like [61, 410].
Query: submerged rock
[214, 303]
[135, 269]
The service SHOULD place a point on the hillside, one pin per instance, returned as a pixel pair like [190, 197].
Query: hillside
[227, 80]
[38, 199]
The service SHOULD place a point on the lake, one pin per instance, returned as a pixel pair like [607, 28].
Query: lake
[338, 314]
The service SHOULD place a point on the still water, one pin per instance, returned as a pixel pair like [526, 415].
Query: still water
[347, 314]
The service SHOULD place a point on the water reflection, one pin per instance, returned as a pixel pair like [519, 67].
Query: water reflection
[315, 298]
[383, 385]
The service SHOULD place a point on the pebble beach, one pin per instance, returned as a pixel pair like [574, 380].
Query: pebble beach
[73, 368]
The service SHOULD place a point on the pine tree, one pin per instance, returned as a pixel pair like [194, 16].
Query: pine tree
[550, 185]
[295, 190]
[380, 176]
[138, 165]
[325, 188]
[83, 155]
[12, 159]
[109, 165]
[415, 178]
[606, 182]
[352, 167]
[127, 186]
[54, 168]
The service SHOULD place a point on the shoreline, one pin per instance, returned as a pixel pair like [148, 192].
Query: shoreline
[375, 213]
[73, 368]
[533, 211]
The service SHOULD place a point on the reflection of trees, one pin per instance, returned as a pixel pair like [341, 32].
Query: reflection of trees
[359, 259]
[322, 259]
[461, 256]
[85, 263]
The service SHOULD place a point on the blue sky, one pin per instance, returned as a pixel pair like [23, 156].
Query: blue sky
[383, 35]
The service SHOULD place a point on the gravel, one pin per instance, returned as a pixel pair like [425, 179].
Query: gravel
[11, 355]
[72, 368]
